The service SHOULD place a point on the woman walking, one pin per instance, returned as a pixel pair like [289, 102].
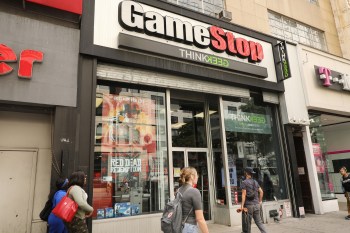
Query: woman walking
[76, 192]
[192, 210]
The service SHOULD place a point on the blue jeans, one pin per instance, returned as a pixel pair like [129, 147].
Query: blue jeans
[253, 212]
[189, 228]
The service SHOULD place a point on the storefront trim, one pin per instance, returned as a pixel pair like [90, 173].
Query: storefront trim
[139, 76]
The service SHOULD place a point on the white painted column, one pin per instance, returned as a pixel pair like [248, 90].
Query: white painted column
[311, 167]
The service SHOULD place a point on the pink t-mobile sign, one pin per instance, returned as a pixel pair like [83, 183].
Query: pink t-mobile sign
[330, 77]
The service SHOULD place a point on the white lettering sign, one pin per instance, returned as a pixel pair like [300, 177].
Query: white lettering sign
[123, 165]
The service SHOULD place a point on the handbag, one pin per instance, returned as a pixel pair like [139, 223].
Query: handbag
[66, 208]
[44, 214]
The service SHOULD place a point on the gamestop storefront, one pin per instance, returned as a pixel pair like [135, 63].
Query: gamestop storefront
[162, 90]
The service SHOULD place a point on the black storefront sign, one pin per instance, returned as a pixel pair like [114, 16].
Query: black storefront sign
[140, 44]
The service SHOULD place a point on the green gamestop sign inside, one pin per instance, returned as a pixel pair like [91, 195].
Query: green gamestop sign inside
[247, 122]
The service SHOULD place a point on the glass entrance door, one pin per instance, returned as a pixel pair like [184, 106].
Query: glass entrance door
[197, 158]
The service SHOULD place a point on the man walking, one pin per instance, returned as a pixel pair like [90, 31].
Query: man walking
[252, 196]
[345, 184]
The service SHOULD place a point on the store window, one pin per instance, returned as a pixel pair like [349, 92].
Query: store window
[187, 123]
[291, 30]
[130, 161]
[252, 141]
[218, 155]
[210, 7]
[329, 136]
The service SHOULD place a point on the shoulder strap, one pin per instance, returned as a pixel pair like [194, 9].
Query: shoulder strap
[184, 221]
[181, 191]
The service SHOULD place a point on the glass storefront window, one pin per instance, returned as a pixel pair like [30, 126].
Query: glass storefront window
[187, 123]
[329, 141]
[218, 156]
[130, 162]
[252, 142]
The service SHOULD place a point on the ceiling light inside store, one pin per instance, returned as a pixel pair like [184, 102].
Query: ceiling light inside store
[177, 125]
[200, 115]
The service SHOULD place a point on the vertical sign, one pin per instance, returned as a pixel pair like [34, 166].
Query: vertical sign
[284, 61]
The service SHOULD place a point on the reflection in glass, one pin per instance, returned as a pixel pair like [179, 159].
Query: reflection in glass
[252, 142]
[325, 130]
[178, 164]
[187, 123]
[210, 7]
[217, 150]
[198, 160]
[130, 162]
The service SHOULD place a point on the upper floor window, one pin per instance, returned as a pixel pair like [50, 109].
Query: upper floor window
[210, 7]
[314, 1]
[291, 30]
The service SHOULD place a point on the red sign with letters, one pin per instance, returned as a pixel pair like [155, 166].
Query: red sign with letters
[26, 61]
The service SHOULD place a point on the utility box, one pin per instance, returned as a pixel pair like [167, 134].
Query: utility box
[225, 15]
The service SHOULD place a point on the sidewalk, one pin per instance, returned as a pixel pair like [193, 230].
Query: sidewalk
[331, 223]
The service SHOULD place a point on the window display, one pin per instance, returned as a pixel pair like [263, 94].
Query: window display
[130, 167]
[319, 123]
[252, 142]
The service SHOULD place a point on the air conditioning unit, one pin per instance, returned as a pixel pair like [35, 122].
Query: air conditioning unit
[225, 15]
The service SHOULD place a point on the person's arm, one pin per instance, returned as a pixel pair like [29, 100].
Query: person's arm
[244, 194]
[198, 210]
[201, 221]
[341, 185]
[77, 194]
[261, 194]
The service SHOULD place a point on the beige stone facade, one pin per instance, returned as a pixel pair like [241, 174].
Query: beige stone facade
[254, 14]
[341, 12]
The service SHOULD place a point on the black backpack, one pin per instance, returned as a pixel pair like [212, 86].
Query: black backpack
[171, 221]
[44, 214]
[251, 192]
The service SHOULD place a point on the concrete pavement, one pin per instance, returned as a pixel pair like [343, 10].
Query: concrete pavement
[328, 223]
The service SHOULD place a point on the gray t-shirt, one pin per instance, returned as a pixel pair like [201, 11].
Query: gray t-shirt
[191, 198]
[250, 184]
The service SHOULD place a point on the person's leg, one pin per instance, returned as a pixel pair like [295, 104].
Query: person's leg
[347, 196]
[257, 218]
[245, 222]
[249, 215]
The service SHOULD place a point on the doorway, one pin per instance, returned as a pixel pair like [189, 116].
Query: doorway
[197, 158]
[303, 173]
[17, 175]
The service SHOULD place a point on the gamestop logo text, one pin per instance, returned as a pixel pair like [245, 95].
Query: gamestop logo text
[132, 17]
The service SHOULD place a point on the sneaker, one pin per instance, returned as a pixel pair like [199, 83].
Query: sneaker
[347, 217]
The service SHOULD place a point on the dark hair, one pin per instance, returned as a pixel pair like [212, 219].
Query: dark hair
[343, 167]
[77, 178]
[60, 185]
